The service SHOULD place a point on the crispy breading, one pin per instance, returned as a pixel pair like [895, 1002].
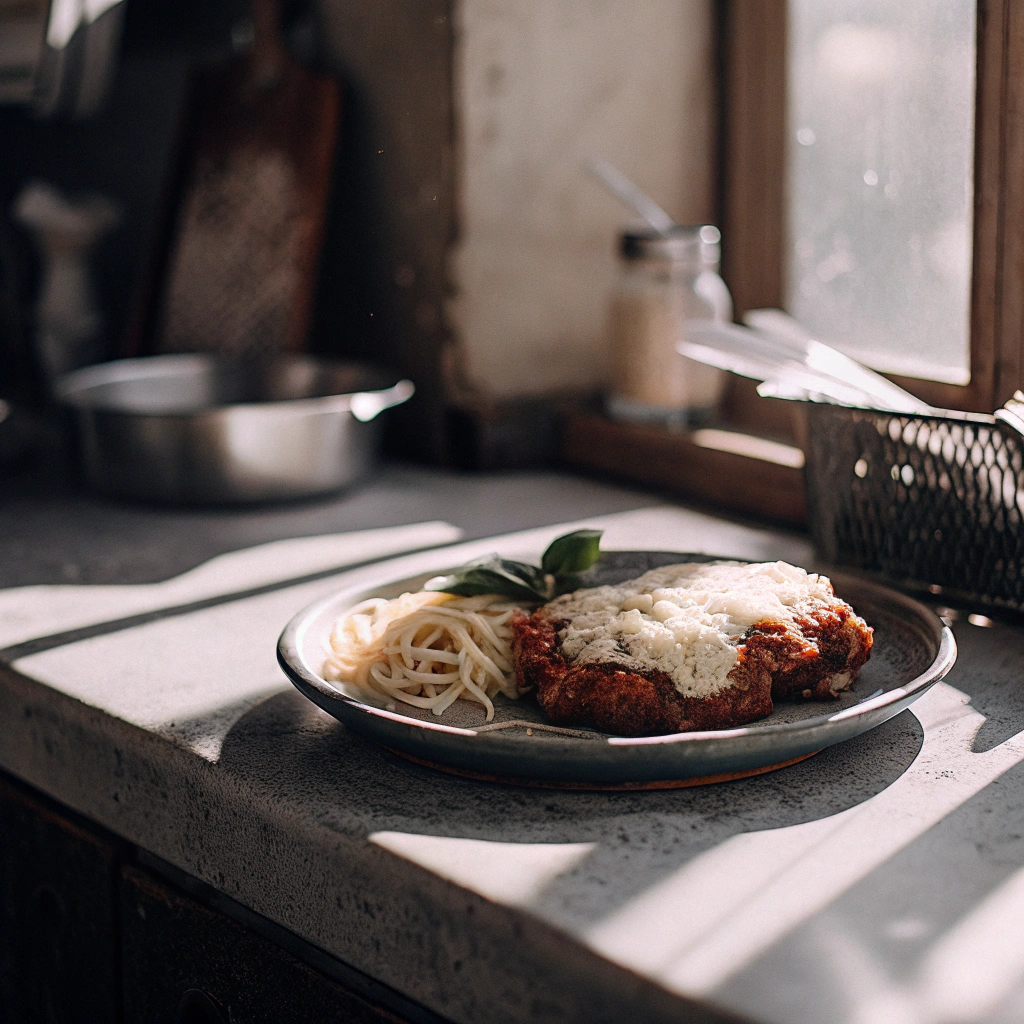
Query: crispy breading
[812, 657]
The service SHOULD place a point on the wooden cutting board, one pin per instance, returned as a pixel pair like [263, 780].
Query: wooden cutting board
[238, 268]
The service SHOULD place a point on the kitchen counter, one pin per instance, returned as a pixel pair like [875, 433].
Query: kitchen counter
[882, 880]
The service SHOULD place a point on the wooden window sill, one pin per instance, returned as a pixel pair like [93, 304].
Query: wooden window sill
[676, 462]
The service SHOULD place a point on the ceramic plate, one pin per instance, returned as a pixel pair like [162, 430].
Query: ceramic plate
[912, 650]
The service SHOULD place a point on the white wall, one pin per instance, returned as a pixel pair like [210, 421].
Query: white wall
[539, 85]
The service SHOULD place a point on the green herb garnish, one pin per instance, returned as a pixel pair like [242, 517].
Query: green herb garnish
[558, 573]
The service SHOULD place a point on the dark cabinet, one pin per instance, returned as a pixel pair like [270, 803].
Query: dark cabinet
[58, 915]
[183, 963]
[90, 937]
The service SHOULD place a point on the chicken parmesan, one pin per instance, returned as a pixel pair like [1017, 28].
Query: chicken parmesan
[689, 647]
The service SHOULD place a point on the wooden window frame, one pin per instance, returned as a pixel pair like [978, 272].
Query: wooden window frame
[751, 159]
[753, 163]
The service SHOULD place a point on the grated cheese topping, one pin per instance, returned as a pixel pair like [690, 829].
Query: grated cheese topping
[684, 620]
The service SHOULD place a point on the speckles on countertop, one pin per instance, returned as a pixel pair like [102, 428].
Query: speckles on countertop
[265, 797]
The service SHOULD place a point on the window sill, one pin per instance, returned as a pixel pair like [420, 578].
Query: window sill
[685, 464]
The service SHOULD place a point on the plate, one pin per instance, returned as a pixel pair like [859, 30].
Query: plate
[912, 651]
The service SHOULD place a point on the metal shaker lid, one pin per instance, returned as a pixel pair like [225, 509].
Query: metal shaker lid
[685, 243]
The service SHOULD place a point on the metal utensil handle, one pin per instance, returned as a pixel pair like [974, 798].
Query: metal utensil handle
[779, 326]
[620, 186]
[368, 405]
[1012, 413]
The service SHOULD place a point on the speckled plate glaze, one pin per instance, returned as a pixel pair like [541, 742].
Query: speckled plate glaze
[912, 651]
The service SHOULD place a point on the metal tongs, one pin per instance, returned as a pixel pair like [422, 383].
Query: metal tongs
[1012, 413]
[777, 351]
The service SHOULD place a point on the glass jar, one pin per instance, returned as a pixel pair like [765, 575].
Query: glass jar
[665, 280]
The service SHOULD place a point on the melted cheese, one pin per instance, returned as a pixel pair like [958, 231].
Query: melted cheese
[684, 620]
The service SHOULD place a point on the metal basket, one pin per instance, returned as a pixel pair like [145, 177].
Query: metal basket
[931, 502]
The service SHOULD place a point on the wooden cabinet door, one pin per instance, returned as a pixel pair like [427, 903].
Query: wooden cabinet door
[58, 921]
[184, 963]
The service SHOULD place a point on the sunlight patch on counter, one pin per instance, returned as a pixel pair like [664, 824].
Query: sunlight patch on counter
[721, 911]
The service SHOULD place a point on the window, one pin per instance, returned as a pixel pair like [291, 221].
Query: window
[873, 182]
[879, 192]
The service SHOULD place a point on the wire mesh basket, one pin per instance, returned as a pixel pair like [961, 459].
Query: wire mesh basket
[931, 502]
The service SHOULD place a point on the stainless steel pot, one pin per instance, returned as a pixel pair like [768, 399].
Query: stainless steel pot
[197, 428]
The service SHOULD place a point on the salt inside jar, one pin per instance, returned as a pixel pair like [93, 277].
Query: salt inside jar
[665, 281]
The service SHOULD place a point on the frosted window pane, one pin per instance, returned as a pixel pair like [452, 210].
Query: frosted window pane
[881, 151]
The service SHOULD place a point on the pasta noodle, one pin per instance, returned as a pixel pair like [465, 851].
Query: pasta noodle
[427, 649]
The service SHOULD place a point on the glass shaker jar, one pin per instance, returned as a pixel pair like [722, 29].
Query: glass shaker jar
[665, 280]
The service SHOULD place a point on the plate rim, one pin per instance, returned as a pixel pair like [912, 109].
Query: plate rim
[291, 662]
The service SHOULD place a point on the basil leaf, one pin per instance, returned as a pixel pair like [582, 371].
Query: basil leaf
[529, 574]
[566, 557]
[572, 553]
[492, 575]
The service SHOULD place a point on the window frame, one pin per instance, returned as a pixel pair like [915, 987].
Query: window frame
[751, 86]
[752, 73]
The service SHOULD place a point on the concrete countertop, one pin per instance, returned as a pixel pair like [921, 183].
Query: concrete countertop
[882, 880]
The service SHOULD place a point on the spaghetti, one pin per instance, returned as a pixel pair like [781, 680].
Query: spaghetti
[427, 649]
